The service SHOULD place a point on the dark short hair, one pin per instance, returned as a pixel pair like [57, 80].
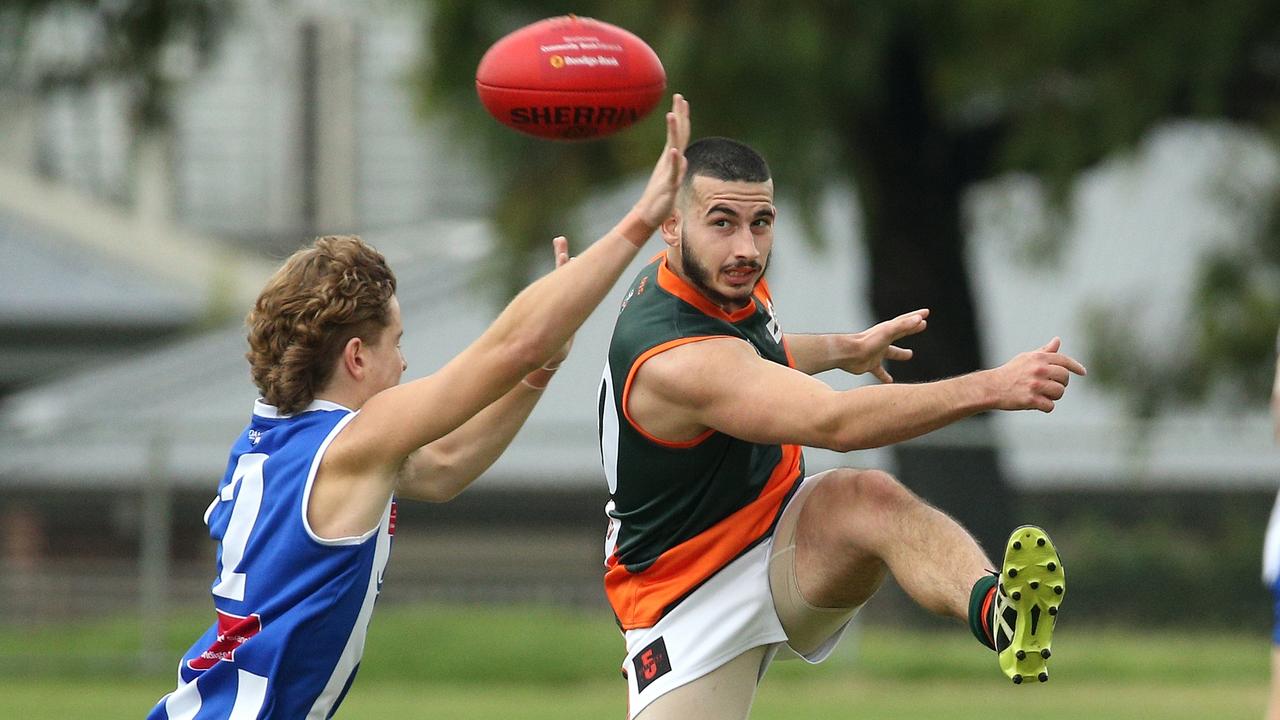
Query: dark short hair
[724, 159]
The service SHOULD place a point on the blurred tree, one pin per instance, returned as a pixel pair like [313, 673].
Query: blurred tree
[146, 43]
[912, 102]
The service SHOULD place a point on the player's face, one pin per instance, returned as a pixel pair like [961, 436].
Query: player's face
[388, 362]
[726, 235]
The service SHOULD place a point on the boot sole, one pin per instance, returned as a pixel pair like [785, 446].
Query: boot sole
[1034, 583]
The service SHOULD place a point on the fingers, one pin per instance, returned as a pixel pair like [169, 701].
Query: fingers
[881, 374]
[560, 246]
[676, 158]
[1043, 376]
[1059, 375]
[1053, 390]
[1058, 358]
[678, 125]
[678, 136]
[909, 324]
[905, 324]
[678, 129]
[1067, 362]
[893, 352]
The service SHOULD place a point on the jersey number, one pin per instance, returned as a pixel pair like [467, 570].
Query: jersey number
[248, 476]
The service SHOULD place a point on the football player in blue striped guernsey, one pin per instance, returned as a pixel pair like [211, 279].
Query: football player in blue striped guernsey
[304, 515]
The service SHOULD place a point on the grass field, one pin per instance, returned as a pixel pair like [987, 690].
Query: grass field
[538, 662]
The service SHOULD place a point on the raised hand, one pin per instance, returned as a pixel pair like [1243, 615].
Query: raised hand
[868, 349]
[560, 246]
[1035, 380]
[659, 195]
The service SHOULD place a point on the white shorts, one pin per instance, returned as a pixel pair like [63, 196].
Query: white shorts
[730, 613]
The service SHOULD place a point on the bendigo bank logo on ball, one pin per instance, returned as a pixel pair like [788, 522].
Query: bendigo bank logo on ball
[559, 61]
[570, 78]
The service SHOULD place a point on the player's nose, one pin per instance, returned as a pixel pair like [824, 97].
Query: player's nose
[744, 245]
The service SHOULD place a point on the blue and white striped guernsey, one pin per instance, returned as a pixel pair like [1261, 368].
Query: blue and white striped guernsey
[292, 608]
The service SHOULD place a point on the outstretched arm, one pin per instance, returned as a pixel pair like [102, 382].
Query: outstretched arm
[360, 468]
[440, 470]
[723, 384]
[857, 353]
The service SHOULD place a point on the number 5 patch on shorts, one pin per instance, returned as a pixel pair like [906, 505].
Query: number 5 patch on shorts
[651, 663]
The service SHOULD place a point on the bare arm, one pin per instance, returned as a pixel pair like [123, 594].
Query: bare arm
[446, 467]
[533, 326]
[361, 466]
[857, 353]
[441, 470]
[723, 384]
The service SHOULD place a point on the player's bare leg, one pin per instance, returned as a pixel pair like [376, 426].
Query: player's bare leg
[725, 693]
[1273, 705]
[854, 525]
[857, 523]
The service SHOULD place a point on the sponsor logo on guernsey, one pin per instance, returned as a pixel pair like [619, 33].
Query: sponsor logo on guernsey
[651, 663]
[775, 330]
[233, 631]
[255, 436]
[639, 290]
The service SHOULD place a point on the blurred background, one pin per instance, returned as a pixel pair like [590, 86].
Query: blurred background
[1104, 172]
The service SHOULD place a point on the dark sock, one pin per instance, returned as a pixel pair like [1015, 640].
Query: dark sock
[981, 610]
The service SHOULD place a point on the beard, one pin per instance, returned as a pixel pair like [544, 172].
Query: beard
[700, 275]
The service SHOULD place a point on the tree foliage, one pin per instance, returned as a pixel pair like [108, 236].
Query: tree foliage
[136, 41]
[912, 102]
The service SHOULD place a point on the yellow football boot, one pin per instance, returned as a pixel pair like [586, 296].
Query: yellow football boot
[1031, 587]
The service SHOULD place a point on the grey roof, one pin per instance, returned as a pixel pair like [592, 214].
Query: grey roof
[48, 279]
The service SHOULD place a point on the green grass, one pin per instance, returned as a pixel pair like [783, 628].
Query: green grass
[538, 662]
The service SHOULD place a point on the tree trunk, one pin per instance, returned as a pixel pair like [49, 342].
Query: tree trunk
[911, 174]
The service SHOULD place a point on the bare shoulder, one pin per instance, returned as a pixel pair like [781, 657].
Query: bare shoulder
[385, 430]
[347, 497]
[359, 446]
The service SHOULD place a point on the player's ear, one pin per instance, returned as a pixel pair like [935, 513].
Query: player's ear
[671, 229]
[353, 360]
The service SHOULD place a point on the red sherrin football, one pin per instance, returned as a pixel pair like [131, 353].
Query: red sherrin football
[570, 78]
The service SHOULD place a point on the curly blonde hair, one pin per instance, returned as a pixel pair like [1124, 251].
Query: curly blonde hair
[324, 295]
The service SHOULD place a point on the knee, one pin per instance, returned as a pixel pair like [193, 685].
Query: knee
[866, 491]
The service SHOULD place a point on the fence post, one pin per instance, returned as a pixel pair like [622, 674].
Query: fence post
[154, 555]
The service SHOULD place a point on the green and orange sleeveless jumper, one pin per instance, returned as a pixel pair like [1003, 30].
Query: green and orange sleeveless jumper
[681, 511]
